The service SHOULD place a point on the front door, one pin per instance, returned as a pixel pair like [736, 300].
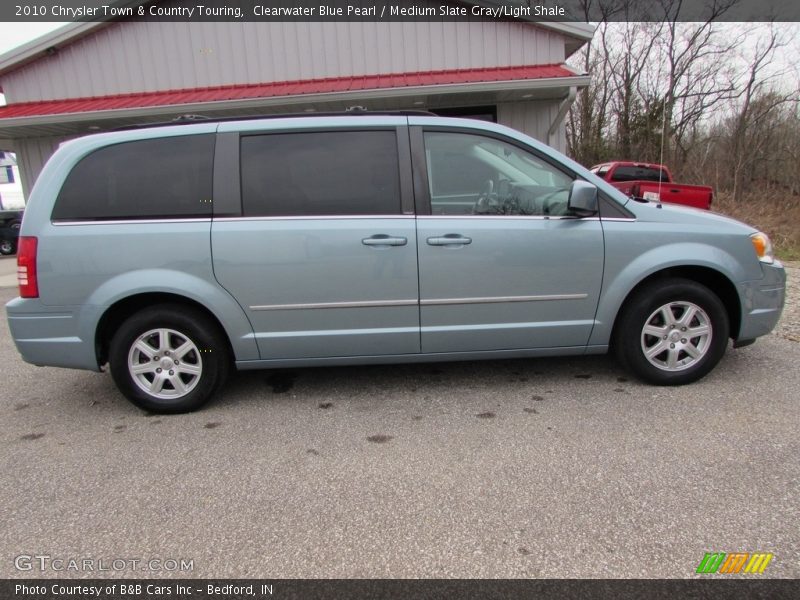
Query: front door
[502, 263]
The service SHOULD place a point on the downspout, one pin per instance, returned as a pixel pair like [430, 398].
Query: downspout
[563, 109]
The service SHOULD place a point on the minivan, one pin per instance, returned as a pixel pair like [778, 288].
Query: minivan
[176, 253]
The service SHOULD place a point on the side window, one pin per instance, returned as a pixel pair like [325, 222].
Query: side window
[476, 175]
[601, 171]
[320, 173]
[147, 179]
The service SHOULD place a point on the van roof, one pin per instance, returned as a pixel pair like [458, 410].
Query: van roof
[355, 111]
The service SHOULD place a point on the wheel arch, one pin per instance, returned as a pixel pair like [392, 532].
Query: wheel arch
[714, 280]
[118, 312]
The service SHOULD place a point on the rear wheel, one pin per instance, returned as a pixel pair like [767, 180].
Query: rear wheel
[169, 359]
[672, 332]
[7, 247]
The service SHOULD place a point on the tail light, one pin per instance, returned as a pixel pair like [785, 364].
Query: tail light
[26, 267]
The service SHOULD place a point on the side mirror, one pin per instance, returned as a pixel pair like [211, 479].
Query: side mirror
[582, 199]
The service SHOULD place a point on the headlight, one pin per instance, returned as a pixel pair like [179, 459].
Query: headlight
[763, 247]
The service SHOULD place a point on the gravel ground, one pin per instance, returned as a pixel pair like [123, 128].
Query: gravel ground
[527, 468]
[789, 325]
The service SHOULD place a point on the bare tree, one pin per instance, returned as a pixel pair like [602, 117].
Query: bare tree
[701, 96]
[694, 75]
[758, 117]
[588, 117]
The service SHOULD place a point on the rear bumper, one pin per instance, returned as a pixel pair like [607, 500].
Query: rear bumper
[762, 302]
[53, 336]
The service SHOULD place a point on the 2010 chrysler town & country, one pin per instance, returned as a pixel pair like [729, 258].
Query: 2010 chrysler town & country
[175, 253]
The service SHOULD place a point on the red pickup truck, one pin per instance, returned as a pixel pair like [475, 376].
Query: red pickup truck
[653, 182]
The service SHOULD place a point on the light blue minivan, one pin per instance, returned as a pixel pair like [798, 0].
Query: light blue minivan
[175, 253]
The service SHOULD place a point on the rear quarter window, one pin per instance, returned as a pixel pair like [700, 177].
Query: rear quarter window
[147, 179]
[639, 174]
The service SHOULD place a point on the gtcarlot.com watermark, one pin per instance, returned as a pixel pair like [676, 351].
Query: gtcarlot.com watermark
[40, 563]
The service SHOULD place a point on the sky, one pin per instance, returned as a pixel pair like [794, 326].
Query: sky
[16, 34]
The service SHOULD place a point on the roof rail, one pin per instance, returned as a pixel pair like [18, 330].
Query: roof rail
[350, 112]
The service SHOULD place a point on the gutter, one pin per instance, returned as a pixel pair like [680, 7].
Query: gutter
[563, 109]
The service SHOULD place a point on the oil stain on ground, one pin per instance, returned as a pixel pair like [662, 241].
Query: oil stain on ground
[531, 411]
[325, 405]
[380, 438]
[486, 415]
[32, 436]
[212, 425]
[537, 398]
[21, 406]
[281, 381]
[119, 428]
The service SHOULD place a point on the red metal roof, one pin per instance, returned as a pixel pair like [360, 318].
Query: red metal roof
[282, 88]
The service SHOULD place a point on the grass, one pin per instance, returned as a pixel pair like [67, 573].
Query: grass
[776, 215]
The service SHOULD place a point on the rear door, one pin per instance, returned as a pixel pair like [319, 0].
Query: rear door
[502, 263]
[322, 253]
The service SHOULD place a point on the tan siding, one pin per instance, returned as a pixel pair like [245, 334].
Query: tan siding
[137, 56]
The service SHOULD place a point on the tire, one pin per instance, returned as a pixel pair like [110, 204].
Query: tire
[672, 332]
[169, 359]
[7, 247]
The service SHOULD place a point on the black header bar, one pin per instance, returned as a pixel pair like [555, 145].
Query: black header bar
[398, 589]
[401, 10]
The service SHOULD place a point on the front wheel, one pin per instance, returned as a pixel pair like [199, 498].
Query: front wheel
[169, 359]
[672, 332]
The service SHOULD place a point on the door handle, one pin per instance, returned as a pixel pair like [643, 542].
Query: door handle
[450, 239]
[382, 239]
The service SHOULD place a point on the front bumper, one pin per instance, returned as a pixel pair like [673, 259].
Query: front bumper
[762, 302]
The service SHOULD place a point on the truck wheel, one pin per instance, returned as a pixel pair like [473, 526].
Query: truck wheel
[169, 359]
[672, 332]
[7, 247]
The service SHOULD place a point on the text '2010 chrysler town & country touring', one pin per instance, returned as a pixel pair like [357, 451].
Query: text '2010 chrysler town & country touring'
[177, 253]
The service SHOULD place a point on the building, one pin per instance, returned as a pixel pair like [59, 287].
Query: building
[89, 77]
[10, 186]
